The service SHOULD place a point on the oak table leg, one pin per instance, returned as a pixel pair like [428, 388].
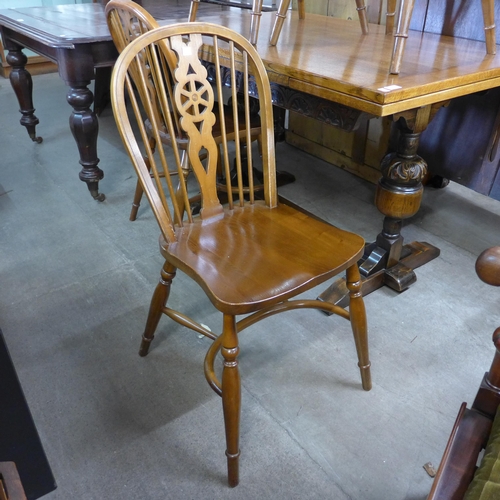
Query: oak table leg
[21, 82]
[387, 261]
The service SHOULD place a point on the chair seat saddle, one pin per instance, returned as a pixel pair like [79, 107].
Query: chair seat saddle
[270, 270]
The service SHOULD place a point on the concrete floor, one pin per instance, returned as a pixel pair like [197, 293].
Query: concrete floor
[76, 280]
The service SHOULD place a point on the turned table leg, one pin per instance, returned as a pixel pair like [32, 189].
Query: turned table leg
[388, 261]
[21, 82]
[85, 128]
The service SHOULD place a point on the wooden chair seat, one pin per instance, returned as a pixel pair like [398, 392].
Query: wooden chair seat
[270, 270]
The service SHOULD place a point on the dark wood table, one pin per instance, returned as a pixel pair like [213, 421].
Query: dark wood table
[77, 39]
[321, 67]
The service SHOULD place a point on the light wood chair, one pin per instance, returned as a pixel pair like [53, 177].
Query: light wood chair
[250, 257]
[126, 21]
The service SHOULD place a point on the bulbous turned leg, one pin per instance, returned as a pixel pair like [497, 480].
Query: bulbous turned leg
[398, 197]
[158, 302]
[358, 324]
[85, 127]
[21, 82]
[231, 398]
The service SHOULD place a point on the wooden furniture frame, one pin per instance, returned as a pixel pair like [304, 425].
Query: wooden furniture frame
[251, 257]
[472, 426]
[400, 35]
[344, 91]
[127, 20]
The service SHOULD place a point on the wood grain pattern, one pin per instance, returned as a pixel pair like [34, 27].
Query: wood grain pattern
[356, 73]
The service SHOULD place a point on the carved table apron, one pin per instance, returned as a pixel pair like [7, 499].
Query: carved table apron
[322, 67]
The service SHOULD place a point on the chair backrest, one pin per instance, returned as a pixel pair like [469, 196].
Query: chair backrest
[234, 66]
[127, 21]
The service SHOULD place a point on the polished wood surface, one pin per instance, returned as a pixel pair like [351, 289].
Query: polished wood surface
[402, 29]
[472, 427]
[352, 69]
[438, 67]
[250, 256]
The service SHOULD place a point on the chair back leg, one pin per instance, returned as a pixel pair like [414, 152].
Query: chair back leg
[278, 22]
[401, 35]
[489, 25]
[256, 15]
[363, 19]
[193, 10]
[390, 16]
[302, 9]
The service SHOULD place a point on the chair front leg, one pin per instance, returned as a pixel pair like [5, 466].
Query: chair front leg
[158, 302]
[358, 324]
[231, 397]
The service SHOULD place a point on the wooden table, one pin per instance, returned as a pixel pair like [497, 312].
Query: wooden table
[322, 67]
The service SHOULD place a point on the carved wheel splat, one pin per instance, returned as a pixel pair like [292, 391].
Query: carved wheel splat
[194, 100]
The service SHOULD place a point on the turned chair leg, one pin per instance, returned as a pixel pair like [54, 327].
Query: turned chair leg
[231, 397]
[489, 25]
[158, 302]
[278, 22]
[363, 19]
[390, 16]
[255, 24]
[401, 35]
[358, 324]
[137, 201]
[302, 9]
[193, 10]
[283, 9]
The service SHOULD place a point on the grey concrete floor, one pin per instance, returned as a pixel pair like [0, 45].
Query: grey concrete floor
[76, 280]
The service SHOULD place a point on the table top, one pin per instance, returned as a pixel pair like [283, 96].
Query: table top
[320, 55]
